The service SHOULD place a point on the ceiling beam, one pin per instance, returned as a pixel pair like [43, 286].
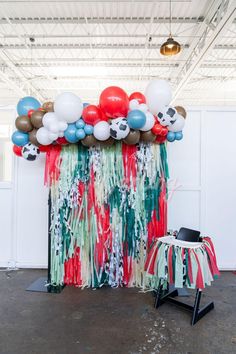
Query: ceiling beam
[17, 74]
[91, 35]
[102, 45]
[81, 46]
[115, 63]
[220, 21]
[99, 20]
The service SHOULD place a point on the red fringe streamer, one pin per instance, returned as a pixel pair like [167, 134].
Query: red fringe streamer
[73, 269]
[158, 228]
[129, 163]
[52, 166]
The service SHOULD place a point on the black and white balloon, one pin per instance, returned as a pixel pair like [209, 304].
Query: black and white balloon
[30, 152]
[119, 128]
[167, 116]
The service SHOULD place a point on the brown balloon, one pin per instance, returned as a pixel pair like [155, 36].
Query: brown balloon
[181, 111]
[37, 119]
[89, 141]
[107, 142]
[147, 137]
[23, 123]
[48, 106]
[132, 138]
[32, 137]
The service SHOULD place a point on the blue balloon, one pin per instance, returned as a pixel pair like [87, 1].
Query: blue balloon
[136, 119]
[80, 134]
[70, 133]
[178, 135]
[19, 138]
[80, 124]
[27, 103]
[88, 129]
[170, 136]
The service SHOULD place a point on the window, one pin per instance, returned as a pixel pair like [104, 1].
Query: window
[6, 126]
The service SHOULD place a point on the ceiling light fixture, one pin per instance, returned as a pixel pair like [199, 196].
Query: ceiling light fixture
[170, 47]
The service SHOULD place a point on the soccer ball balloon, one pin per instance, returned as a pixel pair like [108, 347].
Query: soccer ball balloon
[30, 152]
[119, 128]
[167, 116]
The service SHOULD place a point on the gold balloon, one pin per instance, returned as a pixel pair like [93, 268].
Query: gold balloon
[23, 123]
[147, 137]
[89, 140]
[32, 137]
[48, 106]
[132, 138]
[37, 119]
[181, 111]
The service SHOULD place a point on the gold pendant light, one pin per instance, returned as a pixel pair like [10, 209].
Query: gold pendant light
[170, 47]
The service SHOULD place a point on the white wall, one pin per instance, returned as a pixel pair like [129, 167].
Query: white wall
[202, 193]
[203, 172]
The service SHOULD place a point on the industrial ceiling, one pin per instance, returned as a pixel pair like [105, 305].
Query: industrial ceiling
[83, 46]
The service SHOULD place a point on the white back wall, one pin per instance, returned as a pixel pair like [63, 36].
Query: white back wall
[202, 193]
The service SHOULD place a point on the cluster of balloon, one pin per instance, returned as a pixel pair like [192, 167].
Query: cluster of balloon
[170, 120]
[131, 119]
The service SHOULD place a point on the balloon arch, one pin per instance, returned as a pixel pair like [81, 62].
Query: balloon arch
[108, 199]
[138, 118]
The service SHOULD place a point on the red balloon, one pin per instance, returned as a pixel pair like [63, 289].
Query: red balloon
[104, 117]
[62, 141]
[17, 150]
[92, 114]
[45, 148]
[160, 139]
[157, 129]
[164, 131]
[30, 112]
[138, 96]
[114, 102]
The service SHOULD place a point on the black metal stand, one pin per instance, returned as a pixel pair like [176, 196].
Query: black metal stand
[43, 284]
[168, 296]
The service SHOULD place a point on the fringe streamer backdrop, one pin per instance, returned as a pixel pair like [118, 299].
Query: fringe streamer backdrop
[108, 206]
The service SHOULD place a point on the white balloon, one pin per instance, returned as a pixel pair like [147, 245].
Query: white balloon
[143, 107]
[53, 136]
[49, 118]
[68, 107]
[133, 104]
[54, 127]
[42, 136]
[60, 134]
[178, 124]
[63, 126]
[102, 131]
[150, 121]
[158, 94]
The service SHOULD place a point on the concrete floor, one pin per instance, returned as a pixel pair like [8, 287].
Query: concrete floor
[110, 321]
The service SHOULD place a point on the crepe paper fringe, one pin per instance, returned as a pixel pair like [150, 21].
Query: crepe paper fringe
[191, 267]
[52, 167]
[108, 207]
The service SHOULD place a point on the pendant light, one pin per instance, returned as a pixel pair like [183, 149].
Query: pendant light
[170, 47]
